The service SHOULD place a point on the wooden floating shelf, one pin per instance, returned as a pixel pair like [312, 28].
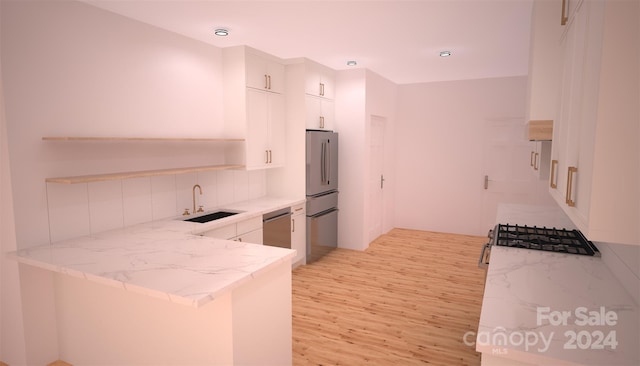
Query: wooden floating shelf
[540, 130]
[152, 139]
[138, 174]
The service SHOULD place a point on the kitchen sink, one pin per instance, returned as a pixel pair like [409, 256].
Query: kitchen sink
[211, 216]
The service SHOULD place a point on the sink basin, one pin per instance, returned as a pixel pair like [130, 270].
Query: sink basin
[211, 216]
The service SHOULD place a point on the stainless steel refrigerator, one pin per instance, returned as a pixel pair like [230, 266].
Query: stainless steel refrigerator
[322, 193]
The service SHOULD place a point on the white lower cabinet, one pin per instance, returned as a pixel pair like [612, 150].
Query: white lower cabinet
[298, 234]
[247, 231]
[254, 237]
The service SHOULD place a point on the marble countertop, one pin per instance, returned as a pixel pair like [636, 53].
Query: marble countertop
[166, 258]
[555, 309]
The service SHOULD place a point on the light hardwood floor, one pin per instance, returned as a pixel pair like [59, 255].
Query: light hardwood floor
[408, 299]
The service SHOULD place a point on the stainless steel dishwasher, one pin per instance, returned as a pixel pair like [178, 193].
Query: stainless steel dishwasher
[276, 228]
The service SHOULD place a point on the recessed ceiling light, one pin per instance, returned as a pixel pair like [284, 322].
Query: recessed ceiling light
[445, 53]
[221, 32]
[351, 63]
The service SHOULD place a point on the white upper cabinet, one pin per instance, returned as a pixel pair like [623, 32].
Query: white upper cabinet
[595, 168]
[254, 106]
[320, 113]
[319, 80]
[545, 61]
[540, 159]
[313, 85]
[264, 73]
[265, 129]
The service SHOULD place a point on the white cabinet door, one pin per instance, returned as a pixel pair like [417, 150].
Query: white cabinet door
[254, 107]
[320, 113]
[264, 74]
[540, 159]
[265, 129]
[566, 146]
[248, 231]
[298, 234]
[253, 237]
[257, 138]
[319, 80]
[277, 133]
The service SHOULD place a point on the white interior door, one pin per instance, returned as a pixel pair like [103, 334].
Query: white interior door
[507, 156]
[376, 176]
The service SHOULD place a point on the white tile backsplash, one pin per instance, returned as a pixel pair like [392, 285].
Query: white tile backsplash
[136, 200]
[209, 183]
[105, 205]
[240, 185]
[624, 261]
[185, 184]
[68, 206]
[84, 209]
[257, 183]
[225, 187]
[163, 197]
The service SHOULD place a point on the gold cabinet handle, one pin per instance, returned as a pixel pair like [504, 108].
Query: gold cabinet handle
[321, 122]
[532, 157]
[536, 163]
[570, 173]
[553, 180]
[266, 81]
[266, 161]
[269, 78]
[564, 18]
[321, 89]
[293, 225]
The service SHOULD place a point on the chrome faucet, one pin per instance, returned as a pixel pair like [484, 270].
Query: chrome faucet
[194, 198]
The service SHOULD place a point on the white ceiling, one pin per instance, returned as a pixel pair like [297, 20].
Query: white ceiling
[399, 40]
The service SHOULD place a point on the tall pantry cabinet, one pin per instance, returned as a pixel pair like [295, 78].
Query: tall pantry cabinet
[595, 166]
[254, 106]
[319, 89]
[309, 105]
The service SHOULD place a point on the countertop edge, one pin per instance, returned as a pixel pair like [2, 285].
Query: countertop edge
[250, 208]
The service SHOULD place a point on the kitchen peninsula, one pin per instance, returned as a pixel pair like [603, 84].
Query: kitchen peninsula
[160, 293]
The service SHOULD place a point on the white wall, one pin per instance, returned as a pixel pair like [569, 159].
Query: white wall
[350, 125]
[381, 101]
[12, 342]
[439, 149]
[72, 69]
[359, 95]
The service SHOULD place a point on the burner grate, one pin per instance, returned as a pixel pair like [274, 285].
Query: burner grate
[546, 239]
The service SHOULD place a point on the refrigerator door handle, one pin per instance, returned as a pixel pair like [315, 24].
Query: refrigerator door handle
[328, 160]
[323, 213]
[322, 162]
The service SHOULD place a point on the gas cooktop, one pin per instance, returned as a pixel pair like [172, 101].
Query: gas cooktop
[546, 239]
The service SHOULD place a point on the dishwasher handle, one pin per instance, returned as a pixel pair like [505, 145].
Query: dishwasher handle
[274, 218]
